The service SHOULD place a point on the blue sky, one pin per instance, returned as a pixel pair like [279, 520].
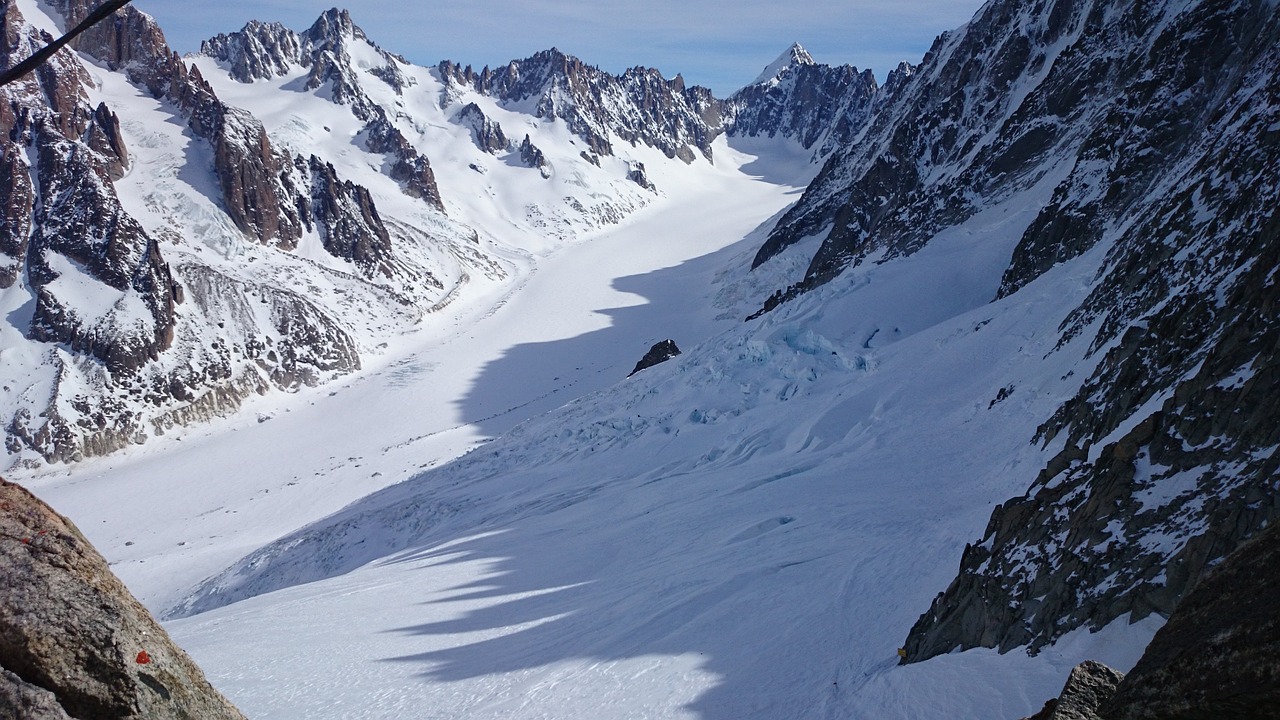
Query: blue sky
[718, 44]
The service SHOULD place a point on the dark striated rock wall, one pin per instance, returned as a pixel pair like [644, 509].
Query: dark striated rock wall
[347, 219]
[531, 155]
[73, 642]
[1168, 461]
[1219, 654]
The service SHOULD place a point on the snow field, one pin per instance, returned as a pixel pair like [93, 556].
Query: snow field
[779, 504]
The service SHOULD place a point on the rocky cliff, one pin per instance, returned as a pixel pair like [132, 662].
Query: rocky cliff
[128, 333]
[74, 644]
[1167, 461]
[1155, 127]
[1218, 656]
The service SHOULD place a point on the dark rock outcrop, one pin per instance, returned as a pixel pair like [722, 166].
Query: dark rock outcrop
[1089, 686]
[73, 642]
[407, 166]
[531, 155]
[105, 138]
[485, 133]
[1217, 657]
[1219, 654]
[637, 175]
[659, 353]
[17, 199]
[345, 216]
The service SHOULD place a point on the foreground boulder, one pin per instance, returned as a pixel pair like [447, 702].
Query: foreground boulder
[74, 643]
[1089, 685]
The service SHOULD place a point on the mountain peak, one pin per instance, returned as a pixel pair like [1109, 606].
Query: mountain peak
[333, 25]
[794, 55]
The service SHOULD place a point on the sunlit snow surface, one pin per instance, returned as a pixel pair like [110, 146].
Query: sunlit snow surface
[747, 531]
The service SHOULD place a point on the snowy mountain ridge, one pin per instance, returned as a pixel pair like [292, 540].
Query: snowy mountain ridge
[290, 203]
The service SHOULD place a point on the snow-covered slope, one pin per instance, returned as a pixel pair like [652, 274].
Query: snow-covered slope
[1047, 259]
[1160, 144]
[747, 530]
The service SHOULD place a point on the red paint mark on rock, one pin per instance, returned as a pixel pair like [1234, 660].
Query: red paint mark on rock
[143, 658]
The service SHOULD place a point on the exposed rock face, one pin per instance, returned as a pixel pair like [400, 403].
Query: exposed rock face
[1155, 127]
[260, 51]
[993, 109]
[124, 363]
[81, 228]
[73, 642]
[638, 176]
[247, 166]
[1217, 657]
[17, 198]
[349, 225]
[821, 106]
[408, 166]
[485, 133]
[78, 232]
[659, 353]
[639, 106]
[1219, 654]
[105, 138]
